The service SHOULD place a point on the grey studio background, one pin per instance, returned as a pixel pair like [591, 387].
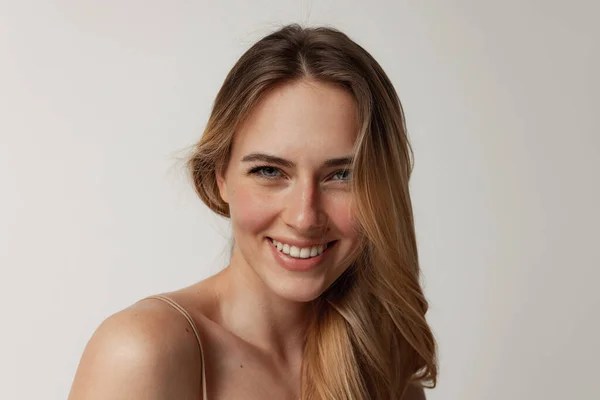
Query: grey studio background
[99, 99]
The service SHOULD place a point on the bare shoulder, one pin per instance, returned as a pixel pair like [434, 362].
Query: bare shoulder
[146, 351]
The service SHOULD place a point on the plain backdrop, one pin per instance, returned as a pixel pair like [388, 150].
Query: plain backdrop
[100, 100]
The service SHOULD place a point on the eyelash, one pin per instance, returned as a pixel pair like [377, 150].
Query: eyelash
[258, 169]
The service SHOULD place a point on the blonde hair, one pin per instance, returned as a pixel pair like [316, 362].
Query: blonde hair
[369, 338]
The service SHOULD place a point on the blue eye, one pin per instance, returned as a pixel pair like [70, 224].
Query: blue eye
[343, 175]
[266, 172]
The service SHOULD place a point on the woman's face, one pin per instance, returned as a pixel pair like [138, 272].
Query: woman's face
[287, 186]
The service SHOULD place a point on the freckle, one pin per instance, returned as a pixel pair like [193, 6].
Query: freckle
[241, 366]
[187, 330]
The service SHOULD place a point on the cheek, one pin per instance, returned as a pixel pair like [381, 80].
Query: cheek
[250, 210]
[342, 214]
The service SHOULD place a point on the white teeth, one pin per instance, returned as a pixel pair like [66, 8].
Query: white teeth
[297, 252]
[294, 251]
[305, 252]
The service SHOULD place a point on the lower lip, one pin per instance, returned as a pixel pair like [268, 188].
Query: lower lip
[298, 264]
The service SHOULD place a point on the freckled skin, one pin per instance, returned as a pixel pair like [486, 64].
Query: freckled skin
[307, 123]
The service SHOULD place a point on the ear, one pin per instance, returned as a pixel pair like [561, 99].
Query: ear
[222, 184]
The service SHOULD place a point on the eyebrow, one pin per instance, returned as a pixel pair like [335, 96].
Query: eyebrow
[333, 162]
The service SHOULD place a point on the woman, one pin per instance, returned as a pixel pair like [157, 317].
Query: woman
[306, 152]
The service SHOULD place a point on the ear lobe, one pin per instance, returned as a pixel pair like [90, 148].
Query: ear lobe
[222, 184]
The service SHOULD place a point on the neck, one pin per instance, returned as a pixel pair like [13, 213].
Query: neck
[250, 310]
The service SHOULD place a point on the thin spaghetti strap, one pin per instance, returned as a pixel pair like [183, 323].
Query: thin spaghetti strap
[183, 311]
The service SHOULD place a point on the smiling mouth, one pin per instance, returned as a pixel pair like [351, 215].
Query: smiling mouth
[301, 252]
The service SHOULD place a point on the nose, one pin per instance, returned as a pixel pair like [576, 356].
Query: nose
[303, 211]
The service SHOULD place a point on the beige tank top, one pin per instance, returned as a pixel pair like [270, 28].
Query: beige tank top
[194, 328]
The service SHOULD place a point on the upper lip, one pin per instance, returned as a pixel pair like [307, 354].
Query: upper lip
[300, 243]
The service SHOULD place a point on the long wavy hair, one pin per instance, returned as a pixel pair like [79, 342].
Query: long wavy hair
[368, 338]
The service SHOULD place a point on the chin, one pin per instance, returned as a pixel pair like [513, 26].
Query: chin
[300, 290]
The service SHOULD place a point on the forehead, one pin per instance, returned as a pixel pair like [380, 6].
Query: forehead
[302, 120]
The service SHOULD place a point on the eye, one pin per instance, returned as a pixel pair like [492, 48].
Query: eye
[341, 175]
[266, 172]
